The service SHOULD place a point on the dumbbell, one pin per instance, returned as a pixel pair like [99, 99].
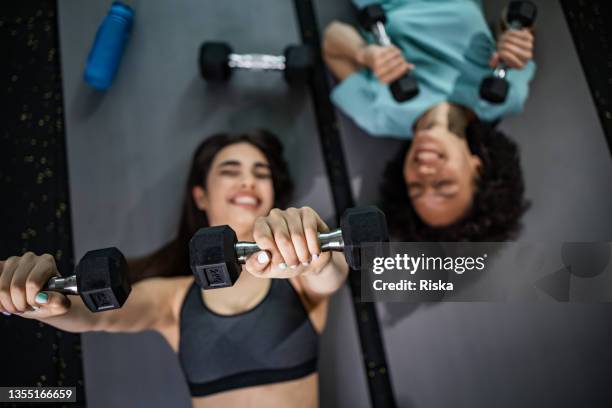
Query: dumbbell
[100, 279]
[519, 14]
[216, 255]
[217, 60]
[373, 19]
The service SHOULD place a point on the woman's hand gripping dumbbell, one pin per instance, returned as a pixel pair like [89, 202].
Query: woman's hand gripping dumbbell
[514, 50]
[31, 285]
[300, 240]
[385, 59]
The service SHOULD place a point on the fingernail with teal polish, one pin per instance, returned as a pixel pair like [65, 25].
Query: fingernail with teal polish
[42, 298]
[282, 265]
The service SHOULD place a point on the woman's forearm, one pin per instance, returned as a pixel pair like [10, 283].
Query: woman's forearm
[78, 319]
[343, 41]
[148, 307]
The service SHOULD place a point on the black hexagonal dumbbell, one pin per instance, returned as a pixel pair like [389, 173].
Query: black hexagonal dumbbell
[373, 19]
[217, 60]
[101, 280]
[216, 255]
[519, 14]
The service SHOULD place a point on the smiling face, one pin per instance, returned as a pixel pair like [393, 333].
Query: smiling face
[440, 171]
[239, 188]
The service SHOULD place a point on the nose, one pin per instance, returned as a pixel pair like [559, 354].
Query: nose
[427, 163]
[248, 181]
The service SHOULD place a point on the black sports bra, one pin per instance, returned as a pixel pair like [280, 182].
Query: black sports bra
[273, 342]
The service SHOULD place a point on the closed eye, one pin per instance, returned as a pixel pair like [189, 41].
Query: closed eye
[262, 170]
[446, 188]
[230, 173]
[415, 190]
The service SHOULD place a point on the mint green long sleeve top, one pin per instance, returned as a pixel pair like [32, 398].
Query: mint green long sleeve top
[450, 44]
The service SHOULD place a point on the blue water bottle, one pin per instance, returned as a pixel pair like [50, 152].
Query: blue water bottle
[108, 46]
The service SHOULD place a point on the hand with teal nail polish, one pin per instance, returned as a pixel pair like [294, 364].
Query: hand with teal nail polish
[28, 300]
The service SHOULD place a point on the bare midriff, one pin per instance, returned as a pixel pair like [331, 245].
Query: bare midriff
[300, 393]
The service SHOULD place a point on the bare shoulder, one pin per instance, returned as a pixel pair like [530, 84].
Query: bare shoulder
[179, 286]
[174, 291]
[167, 293]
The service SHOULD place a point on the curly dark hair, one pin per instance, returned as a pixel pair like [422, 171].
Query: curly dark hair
[173, 258]
[498, 203]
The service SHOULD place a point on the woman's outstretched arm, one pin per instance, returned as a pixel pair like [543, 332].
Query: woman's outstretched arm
[22, 279]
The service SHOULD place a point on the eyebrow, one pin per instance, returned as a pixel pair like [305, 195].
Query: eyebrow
[418, 184]
[229, 163]
[237, 163]
[437, 193]
[261, 165]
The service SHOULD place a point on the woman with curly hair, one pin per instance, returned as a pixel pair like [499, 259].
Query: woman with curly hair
[457, 178]
[495, 190]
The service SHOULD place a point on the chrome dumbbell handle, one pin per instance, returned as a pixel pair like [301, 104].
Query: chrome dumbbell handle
[380, 33]
[67, 285]
[261, 62]
[501, 70]
[329, 241]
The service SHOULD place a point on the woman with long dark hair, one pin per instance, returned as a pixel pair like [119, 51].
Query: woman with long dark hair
[255, 343]
[173, 258]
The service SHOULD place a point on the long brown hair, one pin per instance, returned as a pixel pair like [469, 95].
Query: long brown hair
[172, 259]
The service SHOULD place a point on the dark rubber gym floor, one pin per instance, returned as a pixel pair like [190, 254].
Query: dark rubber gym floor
[128, 153]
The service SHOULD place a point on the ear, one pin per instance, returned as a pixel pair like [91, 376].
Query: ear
[476, 162]
[199, 197]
